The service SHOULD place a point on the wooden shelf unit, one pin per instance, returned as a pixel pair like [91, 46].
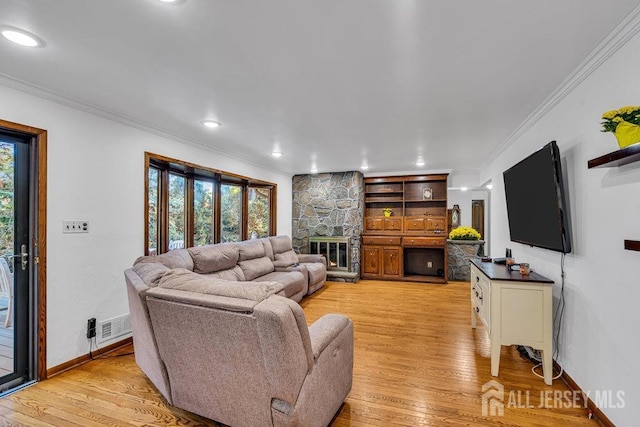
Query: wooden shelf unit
[411, 244]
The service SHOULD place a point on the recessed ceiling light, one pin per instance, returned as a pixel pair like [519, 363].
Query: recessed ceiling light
[364, 167]
[420, 162]
[314, 169]
[463, 188]
[489, 186]
[276, 154]
[211, 124]
[21, 37]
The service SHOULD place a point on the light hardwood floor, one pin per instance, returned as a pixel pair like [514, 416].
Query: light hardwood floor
[417, 362]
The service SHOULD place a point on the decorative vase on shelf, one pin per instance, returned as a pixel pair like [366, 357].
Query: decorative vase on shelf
[387, 212]
[627, 134]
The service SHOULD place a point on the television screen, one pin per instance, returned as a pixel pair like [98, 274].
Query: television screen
[535, 201]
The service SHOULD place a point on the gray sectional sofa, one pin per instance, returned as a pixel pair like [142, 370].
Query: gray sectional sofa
[218, 331]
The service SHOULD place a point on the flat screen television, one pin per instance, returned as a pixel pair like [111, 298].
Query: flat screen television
[535, 201]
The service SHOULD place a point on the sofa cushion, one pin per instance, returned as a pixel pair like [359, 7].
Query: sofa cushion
[254, 268]
[268, 249]
[250, 249]
[286, 258]
[292, 281]
[150, 272]
[185, 280]
[280, 244]
[212, 258]
[177, 258]
[234, 274]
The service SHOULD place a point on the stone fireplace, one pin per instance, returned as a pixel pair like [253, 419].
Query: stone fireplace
[329, 205]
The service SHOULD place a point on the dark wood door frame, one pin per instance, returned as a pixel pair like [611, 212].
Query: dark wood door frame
[477, 216]
[39, 159]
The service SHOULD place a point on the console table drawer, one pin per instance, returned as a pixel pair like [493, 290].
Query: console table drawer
[381, 240]
[423, 241]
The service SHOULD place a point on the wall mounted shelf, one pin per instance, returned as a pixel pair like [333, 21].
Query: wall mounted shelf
[616, 158]
[632, 245]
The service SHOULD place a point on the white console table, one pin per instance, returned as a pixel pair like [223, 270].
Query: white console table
[515, 309]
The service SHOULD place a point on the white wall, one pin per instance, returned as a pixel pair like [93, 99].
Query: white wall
[599, 343]
[96, 173]
[462, 199]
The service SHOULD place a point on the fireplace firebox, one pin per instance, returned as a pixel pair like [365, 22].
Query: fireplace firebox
[336, 250]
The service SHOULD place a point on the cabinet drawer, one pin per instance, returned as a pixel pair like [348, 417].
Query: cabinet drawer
[392, 224]
[435, 224]
[423, 241]
[373, 224]
[414, 224]
[381, 240]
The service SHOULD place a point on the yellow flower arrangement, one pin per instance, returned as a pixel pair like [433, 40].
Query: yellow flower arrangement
[464, 233]
[611, 119]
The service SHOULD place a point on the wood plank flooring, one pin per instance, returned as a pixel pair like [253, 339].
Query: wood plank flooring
[417, 362]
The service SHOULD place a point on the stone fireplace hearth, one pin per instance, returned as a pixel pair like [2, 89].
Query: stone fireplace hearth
[329, 205]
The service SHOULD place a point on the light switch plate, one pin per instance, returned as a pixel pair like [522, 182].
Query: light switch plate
[75, 226]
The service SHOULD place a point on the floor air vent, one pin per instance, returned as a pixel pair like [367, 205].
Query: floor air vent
[112, 328]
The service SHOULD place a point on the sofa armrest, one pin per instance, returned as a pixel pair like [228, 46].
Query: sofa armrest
[325, 330]
[312, 258]
[281, 263]
[330, 380]
[295, 267]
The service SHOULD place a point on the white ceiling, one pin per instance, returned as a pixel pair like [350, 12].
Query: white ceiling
[333, 83]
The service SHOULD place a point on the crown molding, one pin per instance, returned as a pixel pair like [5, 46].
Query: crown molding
[624, 32]
[58, 98]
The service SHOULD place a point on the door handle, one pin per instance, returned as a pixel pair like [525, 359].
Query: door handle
[23, 255]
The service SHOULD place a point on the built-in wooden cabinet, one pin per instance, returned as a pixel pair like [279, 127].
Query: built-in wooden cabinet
[410, 244]
[371, 261]
[391, 262]
[381, 257]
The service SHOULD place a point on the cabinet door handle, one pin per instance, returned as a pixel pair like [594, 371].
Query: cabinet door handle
[477, 310]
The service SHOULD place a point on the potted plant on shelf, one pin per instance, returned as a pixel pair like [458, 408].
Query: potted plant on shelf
[624, 123]
[464, 233]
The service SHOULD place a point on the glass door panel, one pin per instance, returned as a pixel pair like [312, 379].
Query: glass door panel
[15, 262]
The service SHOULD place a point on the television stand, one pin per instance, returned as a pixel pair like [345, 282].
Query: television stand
[515, 309]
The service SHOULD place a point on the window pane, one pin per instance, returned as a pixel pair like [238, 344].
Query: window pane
[258, 221]
[6, 198]
[231, 213]
[152, 197]
[202, 213]
[176, 211]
